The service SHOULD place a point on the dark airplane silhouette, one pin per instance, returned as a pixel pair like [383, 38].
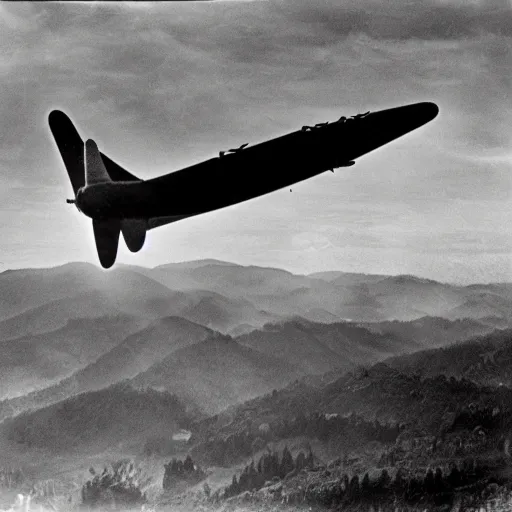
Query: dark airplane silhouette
[117, 201]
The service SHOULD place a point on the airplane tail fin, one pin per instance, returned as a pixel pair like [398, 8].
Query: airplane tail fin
[95, 170]
[71, 148]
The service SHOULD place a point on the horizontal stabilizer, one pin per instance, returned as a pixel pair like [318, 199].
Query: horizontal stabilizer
[95, 171]
[71, 147]
[134, 233]
[106, 234]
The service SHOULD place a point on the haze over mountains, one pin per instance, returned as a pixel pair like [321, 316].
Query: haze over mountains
[215, 334]
[99, 365]
[42, 359]
[486, 360]
[58, 321]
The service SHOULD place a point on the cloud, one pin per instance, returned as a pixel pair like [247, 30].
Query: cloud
[401, 20]
[164, 85]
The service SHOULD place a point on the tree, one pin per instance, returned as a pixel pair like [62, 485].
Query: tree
[353, 487]
[260, 465]
[286, 463]
[384, 480]
[365, 485]
[188, 465]
[234, 488]
[310, 459]
[429, 482]
[438, 481]
[399, 482]
[300, 461]
[122, 483]
[454, 477]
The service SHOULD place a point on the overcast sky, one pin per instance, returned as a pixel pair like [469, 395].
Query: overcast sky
[163, 85]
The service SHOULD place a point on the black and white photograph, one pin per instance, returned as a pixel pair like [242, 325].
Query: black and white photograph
[256, 256]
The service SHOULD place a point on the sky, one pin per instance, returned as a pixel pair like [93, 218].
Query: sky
[163, 85]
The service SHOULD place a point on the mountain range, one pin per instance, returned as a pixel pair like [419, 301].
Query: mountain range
[216, 334]
[97, 364]
[486, 360]
[76, 328]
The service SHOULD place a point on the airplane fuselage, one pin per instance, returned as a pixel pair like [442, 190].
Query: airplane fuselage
[252, 172]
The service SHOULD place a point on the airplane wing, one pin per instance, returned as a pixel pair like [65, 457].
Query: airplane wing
[279, 163]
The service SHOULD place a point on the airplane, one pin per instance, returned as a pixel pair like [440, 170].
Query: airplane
[119, 202]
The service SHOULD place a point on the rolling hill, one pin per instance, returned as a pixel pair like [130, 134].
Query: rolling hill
[486, 360]
[112, 417]
[427, 406]
[317, 348]
[37, 361]
[134, 354]
[430, 332]
[49, 328]
[217, 373]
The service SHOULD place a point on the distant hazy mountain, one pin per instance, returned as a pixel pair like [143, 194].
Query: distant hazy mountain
[26, 289]
[347, 278]
[227, 279]
[140, 351]
[57, 313]
[318, 348]
[121, 288]
[216, 373]
[430, 332]
[300, 348]
[110, 418]
[334, 296]
[226, 296]
[266, 289]
[229, 298]
[486, 360]
[136, 353]
[482, 304]
[224, 314]
[34, 362]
